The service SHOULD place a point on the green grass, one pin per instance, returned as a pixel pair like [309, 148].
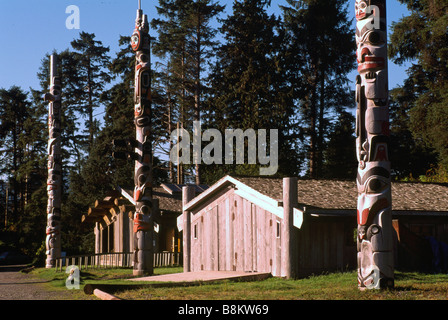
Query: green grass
[333, 286]
[56, 279]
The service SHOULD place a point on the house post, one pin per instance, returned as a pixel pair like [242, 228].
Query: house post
[188, 193]
[97, 233]
[288, 234]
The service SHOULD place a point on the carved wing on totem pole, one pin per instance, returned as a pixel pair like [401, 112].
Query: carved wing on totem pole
[374, 240]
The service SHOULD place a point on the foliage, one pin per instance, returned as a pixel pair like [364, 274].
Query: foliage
[247, 84]
[319, 54]
[435, 174]
[332, 286]
[186, 40]
[421, 38]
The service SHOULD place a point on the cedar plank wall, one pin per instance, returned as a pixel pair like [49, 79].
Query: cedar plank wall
[233, 234]
[325, 245]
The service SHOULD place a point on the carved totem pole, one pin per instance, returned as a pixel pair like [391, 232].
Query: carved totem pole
[54, 182]
[143, 216]
[374, 241]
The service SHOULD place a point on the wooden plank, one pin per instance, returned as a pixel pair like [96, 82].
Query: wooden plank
[229, 232]
[277, 246]
[104, 295]
[221, 236]
[238, 254]
[195, 244]
[188, 193]
[214, 237]
[253, 214]
[268, 241]
[96, 212]
[315, 249]
[206, 241]
[104, 204]
[247, 235]
[261, 240]
[201, 234]
[326, 235]
[273, 251]
[334, 248]
[340, 246]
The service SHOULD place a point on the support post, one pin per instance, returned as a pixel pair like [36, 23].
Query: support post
[188, 193]
[288, 235]
[144, 209]
[374, 210]
[54, 180]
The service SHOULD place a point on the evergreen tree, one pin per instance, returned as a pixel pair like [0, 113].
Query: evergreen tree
[23, 166]
[410, 157]
[339, 156]
[320, 55]
[422, 38]
[186, 40]
[14, 111]
[92, 78]
[247, 84]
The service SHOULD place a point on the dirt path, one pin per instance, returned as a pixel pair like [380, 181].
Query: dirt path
[15, 285]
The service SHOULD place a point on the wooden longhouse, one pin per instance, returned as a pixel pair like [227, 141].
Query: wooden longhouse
[294, 228]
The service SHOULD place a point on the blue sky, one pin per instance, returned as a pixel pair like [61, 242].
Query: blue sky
[29, 29]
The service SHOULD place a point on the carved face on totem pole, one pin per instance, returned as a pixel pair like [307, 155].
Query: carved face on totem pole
[372, 131]
[140, 43]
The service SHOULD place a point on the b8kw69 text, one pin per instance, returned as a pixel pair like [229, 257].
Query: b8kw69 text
[233, 309]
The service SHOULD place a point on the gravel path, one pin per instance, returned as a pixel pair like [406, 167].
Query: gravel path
[15, 285]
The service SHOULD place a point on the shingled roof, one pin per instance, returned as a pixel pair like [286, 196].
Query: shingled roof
[338, 194]
[168, 202]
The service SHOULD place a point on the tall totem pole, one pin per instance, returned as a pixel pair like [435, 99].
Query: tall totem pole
[143, 216]
[374, 241]
[54, 181]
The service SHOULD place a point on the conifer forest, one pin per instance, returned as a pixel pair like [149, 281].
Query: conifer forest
[290, 71]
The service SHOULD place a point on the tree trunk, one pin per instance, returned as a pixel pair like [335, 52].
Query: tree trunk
[313, 133]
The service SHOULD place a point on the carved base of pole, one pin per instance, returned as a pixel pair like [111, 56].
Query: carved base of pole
[143, 253]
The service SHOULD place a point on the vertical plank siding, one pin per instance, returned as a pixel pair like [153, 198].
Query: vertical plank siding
[234, 234]
[238, 224]
[322, 246]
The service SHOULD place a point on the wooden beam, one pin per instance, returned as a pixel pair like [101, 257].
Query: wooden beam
[86, 218]
[96, 212]
[113, 193]
[121, 202]
[104, 204]
[126, 209]
[188, 193]
[288, 234]
[107, 217]
[104, 295]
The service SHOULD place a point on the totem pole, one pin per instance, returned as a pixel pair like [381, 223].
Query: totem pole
[143, 216]
[374, 241]
[54, 182]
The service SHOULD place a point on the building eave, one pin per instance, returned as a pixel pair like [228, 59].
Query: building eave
[241, 189]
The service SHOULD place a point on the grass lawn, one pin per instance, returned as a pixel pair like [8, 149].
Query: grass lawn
[334, 286]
